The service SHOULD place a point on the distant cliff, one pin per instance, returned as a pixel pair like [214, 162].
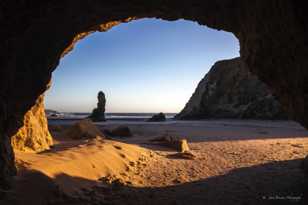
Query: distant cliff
[229, 90]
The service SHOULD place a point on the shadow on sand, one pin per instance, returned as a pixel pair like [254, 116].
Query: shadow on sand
[272, 183]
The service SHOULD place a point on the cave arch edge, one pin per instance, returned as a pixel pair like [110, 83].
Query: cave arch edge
[38, 35]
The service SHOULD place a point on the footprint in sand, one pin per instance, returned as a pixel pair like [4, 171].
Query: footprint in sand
[297, 145]
[122, 155]
[117, 147]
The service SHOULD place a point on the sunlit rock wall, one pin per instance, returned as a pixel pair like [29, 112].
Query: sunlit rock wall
[34, 136]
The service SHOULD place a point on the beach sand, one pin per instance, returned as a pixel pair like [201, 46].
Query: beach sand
[237, 162]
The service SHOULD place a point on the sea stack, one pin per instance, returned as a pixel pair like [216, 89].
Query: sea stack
[98, 113]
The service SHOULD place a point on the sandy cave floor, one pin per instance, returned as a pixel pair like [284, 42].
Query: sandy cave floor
[237, 162]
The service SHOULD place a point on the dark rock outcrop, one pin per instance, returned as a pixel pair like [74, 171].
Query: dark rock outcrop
[272, 35]
[305, 165]
[160, 117]
[34, 136]
[52, 113]
[229, 90]
[98, 113]
[121, 131]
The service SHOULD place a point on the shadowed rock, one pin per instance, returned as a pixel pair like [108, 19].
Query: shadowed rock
[121, 131]
[160, 117]
[229, 90]
[98, 113]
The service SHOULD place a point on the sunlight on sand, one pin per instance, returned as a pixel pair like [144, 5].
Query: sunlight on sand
[228, 156]
[91, 159]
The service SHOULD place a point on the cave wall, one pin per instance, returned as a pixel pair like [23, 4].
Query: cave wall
[36, 34]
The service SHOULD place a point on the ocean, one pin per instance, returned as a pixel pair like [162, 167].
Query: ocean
[109, 116]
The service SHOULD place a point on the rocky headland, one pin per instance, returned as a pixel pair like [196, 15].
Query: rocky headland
[229, 90]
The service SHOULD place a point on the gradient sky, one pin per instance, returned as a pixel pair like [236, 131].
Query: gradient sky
[147, 65]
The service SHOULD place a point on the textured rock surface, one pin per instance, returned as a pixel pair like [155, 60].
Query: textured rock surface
[229, 90]
[272, 34]
[157, 117]
[34, 136]
[98, 113]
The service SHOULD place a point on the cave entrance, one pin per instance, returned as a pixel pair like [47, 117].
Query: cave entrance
[38, 35]
[144, 66]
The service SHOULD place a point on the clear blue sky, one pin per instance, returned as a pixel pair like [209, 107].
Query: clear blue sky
[147, 65]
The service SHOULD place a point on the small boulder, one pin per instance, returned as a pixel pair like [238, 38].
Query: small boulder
[180, 145]
[107, 133]
[83, 129]
[160, 117]
[55, 128]
[121, 131]
[183, 146]
[176, 143]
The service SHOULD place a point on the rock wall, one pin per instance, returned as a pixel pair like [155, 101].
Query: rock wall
[272, 35]
[34, 136]
[229, 90]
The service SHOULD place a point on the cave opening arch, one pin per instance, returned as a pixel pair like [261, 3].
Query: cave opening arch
[42, 32]
[146, 65]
